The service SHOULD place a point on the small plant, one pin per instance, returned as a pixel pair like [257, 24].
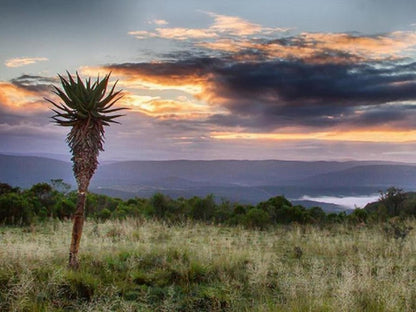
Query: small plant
[397, 231]
[298, 252]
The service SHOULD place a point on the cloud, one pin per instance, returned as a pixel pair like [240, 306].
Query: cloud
[34, 83]
[23, 61]
[14, 98]
[240, 81]
[180, 108]
[24, 114]
[159, 22]
[248, 41]
[275, 95]
[388, 45]
[184, 33]
[320, 47]
[345, 136]
[222, 25]
[28, 128]
[234, 25]
[281, 94]
[25, 93]
[157, 76]
[176, 33]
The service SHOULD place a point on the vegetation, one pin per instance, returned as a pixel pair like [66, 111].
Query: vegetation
[147, 265]
[196, 254]
[45, 201]
[86, 108]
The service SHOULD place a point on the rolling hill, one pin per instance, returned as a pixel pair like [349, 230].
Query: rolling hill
[236, 180]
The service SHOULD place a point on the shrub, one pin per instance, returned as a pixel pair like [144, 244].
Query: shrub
[257, 218]
[15, 209]
[104, 214]
[358, 216]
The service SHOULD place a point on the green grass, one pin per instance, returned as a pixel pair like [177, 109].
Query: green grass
[138, 265]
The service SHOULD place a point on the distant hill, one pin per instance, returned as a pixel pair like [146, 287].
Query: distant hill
[380, 175]
[236, 172]
[236, 180]
[24, 171]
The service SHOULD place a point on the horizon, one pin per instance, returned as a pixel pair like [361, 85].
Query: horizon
[346, 184]
[113, 160]
[298, 81]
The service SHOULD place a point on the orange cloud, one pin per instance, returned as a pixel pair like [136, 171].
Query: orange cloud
[223, 25]
[228, 45]
[179, 108]
[184, 33]
[270, 50]
[234, 34]
[234, 25]
[174, 33]
[142, 34]
[159, 22]
[320, 47]
[327, 47]
[22, 61]
[201, 102]
[389, 45]
[240, 37]
[18, 99]
[190, 83]
[378, 136]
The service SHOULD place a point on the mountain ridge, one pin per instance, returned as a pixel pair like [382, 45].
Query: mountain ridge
[247, 181]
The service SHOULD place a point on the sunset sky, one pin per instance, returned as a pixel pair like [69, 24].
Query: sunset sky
[298, 80]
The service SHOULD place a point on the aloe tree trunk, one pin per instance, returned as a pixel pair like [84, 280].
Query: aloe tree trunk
[85, 161]
[78, 224]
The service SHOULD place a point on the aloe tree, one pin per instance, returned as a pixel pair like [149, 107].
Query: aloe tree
[86, 108]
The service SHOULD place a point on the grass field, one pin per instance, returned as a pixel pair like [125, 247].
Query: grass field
[138, 265]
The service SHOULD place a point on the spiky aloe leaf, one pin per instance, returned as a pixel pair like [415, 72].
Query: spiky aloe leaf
[86, 108]
[86, 101]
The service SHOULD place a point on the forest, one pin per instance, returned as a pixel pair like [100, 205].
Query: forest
[45, 201]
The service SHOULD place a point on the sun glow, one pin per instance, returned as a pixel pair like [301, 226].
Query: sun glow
[19, 99]
[349, 136]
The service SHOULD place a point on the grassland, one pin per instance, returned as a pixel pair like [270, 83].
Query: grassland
[142, 265]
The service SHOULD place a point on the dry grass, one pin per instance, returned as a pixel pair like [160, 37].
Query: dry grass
[138, 265]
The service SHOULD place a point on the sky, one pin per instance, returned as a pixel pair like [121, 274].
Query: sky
[293, 80]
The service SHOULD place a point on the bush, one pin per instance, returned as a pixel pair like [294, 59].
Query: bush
[160, 205]
[104, 214]
[257, 218]
[203, 208]
[15, 209]
[358, 216]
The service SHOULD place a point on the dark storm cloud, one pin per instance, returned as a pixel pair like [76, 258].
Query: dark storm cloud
[180, 69]
[34, 83]
[280, 94]
[273, 94]
[301, 84]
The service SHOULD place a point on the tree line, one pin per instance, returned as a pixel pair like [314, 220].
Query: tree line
[44, 201]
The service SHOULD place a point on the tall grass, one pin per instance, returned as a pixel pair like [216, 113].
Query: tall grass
[139, 265]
